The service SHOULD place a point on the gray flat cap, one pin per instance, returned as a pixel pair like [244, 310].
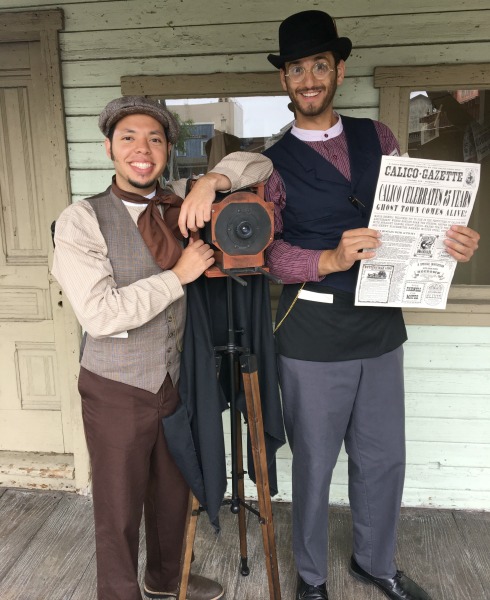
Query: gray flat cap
[138, 105]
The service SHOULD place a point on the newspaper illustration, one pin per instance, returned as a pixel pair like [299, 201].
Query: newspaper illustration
[416, 202]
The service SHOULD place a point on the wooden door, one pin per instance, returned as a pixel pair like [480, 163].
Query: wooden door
[37, 341]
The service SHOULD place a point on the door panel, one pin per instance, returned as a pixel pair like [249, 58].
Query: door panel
[34, 413]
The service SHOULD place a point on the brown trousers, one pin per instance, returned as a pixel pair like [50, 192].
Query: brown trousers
[132, 467]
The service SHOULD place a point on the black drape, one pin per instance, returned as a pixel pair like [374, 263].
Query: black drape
[195, 432]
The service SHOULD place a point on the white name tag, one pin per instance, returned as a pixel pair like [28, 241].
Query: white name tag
[123, 334]
[315, 297]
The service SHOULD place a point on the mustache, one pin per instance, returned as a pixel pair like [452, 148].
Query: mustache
[316, 88]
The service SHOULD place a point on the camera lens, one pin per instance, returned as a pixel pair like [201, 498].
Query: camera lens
[244, 230]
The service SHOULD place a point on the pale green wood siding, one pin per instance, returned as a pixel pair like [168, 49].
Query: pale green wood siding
[447, 368]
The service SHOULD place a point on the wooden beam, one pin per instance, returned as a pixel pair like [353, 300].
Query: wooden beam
[202, 86]
[435, 76]
[31, 22]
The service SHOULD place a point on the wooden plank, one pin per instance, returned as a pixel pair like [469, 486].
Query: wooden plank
[451, 75]
[474, 529]
[218, 556]
[30, 21]
[35, 431]
[170, 40]
[414, 495]
[15, 59]
[23, 514]
[255, 585]
[58, 556]
[468, 314]
[456, 335]
[354, 91]
[104, 72]
[429, 476]
[341, 584]
[37, 470]
[88, 183]
[463, 357]
[88, 101]
[437, 405]
[445, 551]
[458, 499]
[447, 454]
[88, 156]
[45, 4]
[449, 430]
[451, 381]
[86, 587]
[432, 551]
[156, 13]
[464, 499]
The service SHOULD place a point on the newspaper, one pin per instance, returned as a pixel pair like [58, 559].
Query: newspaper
[416, 202]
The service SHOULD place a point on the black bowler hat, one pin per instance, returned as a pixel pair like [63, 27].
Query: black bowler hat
[306, 33]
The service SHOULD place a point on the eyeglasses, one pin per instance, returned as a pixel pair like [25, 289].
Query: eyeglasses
[320, 71]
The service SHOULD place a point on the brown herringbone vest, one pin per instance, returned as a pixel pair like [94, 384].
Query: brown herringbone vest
[144, 358]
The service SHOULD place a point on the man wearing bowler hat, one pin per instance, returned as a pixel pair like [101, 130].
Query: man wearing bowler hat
[124, 271]
[340, 365]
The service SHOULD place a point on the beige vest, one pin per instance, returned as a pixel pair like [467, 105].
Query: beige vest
[144, 358]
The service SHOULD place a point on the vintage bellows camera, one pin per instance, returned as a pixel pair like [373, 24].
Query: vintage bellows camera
[241, 228]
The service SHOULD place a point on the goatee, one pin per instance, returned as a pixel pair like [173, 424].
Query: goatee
[144, 185]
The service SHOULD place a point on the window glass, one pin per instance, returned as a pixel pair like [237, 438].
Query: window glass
[214, 127]
[455, 125]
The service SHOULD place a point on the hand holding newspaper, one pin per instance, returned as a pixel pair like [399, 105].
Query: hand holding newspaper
[415, 204]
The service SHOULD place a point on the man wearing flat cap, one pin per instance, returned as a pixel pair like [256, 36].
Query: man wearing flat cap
[340, 365]
[120, 262]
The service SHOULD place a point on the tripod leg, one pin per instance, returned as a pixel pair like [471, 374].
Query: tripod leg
[189, 536]
[242, 527]
[256, 430]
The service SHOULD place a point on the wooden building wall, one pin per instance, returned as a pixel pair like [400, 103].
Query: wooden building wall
[447, 368]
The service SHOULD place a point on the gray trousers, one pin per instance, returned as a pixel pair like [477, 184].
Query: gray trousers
[360, 402]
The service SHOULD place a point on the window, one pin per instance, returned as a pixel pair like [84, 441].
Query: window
[213, 127]
[443, 113]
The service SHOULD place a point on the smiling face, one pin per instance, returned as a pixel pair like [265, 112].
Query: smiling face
[312, 98]
[139, 150]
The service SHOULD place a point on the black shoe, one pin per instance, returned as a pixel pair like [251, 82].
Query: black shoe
[311, 592]
[399, 587]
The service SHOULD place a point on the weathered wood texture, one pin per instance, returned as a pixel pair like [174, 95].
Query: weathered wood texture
[103, 42]
[47, 551]
[448, 422]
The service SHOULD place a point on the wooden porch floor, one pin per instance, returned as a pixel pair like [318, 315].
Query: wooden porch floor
[47, 551]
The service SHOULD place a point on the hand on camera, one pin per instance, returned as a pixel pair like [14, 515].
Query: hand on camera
[195, 259]
[196, 208]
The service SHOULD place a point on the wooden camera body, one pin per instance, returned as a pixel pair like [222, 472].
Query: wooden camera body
[241, 228]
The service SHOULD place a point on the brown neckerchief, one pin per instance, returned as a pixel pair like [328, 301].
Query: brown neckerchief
[159, 234]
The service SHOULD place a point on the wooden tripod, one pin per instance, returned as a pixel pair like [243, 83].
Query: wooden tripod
[249, 371]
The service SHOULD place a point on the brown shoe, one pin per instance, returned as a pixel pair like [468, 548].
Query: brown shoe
[198, 588]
